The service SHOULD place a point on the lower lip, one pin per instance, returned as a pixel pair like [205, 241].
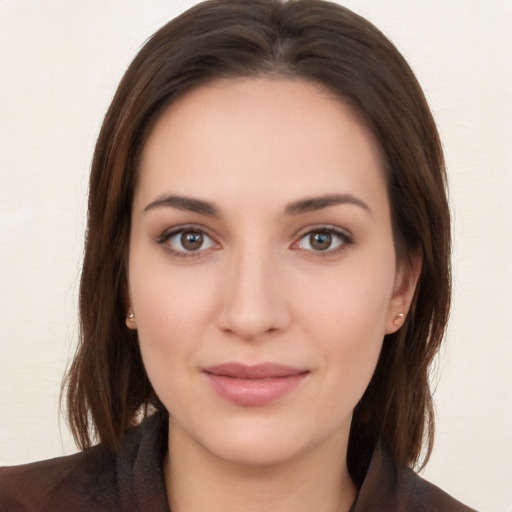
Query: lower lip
[254, 391]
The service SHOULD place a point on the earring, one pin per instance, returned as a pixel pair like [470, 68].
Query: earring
[131, 314]
[398, 319]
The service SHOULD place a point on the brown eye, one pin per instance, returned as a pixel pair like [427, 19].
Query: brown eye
[187, 242]
[320, 241]
[191, 240]
[327, 240]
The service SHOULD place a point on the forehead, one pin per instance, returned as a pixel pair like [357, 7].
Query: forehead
[259, 137]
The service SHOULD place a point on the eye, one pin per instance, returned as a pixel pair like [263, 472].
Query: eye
[187, 241]
[327, 240]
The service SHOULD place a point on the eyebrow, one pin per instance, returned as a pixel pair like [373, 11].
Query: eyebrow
[317, 203]
[296, 208]
[184, 203]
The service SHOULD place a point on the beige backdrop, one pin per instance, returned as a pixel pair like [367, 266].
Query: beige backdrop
[59, 64]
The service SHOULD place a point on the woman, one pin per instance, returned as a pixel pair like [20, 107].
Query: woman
[266, 277]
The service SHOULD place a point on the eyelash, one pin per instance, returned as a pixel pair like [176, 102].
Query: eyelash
[346, 240]
[168, 235]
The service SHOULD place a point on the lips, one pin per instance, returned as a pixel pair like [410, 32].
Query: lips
[254, 385]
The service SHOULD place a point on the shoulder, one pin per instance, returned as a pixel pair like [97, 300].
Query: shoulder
[389, 488]
[423, 496]
[64, 481]
[95, 480]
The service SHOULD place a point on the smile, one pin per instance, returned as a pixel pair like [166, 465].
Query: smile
[253, 385]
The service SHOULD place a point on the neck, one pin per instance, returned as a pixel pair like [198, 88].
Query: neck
[198, 481]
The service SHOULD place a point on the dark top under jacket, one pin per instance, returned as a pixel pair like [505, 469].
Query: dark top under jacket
[130, 480]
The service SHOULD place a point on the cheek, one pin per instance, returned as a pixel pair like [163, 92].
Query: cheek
[169, 324]
[351, 341]
[171, 312]
[348, 320]
[351, 301]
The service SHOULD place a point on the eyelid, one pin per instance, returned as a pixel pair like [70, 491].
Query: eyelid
[346, 237]
[169, 233]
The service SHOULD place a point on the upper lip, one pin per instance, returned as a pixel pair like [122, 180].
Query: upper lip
[257, 371]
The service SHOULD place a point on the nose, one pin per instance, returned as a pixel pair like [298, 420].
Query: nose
[255, 302]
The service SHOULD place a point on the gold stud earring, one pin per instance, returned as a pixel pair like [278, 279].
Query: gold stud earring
[398, 319]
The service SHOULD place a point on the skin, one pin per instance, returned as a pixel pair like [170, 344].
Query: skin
[258, 289]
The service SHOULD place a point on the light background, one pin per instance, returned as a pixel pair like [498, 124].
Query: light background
[60, 62]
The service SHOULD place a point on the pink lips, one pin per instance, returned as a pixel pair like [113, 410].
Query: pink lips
[253, 385]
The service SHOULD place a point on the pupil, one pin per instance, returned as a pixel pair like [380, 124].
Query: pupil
[320, 241]
[191, 241]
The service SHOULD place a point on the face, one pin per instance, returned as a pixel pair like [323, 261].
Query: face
[262, 270]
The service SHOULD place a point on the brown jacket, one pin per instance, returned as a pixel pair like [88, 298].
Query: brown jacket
[131, 480]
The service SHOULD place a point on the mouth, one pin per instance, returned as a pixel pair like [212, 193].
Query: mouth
[255, 385]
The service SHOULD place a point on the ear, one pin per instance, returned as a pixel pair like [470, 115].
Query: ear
[406, 280]
[131, 322]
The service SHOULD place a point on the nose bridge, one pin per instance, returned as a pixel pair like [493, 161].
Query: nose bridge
[254, 303]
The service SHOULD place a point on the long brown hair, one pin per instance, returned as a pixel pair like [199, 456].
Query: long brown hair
[107, 386]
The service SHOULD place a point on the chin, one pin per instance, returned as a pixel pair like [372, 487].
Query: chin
[256, 451]
[267, 441]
